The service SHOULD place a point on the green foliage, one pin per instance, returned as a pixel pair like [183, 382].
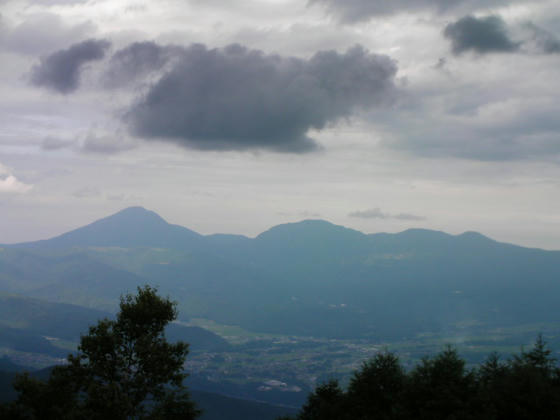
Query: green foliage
[442, 388]
[326, 403]
[376, 390]
[527, 387]
[123, 369]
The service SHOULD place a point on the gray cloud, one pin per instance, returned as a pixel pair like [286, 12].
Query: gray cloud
[124, 197]
[137, 60]
[303, 213]
[362, 10]
[543, 40]
[9, 184]
[376, 213]
[237, 99]
[48, 3]
[57, 2]
[495, 129]
[91, 142]
[56, 143]
[483, 35]
[43, 33]
[86, 192]
[116, 197]
[408, 216]
[104, 144]
[60, 71]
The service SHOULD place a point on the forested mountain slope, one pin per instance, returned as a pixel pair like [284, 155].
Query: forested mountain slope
[309, 278]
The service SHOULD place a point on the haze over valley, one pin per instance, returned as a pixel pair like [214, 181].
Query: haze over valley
[316, 195]
[269, 318]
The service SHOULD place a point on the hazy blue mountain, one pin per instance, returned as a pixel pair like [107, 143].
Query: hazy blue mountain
[20, 340]
[65, 276]
[306, 278]
[312, 237]
[25, 323]
[131, 227]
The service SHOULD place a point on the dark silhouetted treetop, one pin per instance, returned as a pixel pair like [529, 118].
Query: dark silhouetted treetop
[526, 387]
[124, 369]
[376, 390]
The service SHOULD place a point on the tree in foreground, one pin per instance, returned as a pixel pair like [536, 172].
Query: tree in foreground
[124, 369]
[526, 387]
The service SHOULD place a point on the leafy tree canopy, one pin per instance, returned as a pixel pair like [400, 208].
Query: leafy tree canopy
[124, 369]
[526, 387]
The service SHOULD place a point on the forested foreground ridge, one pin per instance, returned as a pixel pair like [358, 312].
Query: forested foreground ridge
[124, 369]
[527, 386]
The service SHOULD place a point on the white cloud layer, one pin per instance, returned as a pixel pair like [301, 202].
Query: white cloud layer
[9, 184]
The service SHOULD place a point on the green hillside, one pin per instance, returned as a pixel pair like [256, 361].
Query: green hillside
[35, 326]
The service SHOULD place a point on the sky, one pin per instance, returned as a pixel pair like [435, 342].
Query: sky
[235, 116]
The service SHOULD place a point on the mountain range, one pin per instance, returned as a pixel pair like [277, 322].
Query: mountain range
[312, 291]
[310, 278]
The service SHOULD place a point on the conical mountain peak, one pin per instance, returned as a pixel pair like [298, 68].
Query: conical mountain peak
[130, 228]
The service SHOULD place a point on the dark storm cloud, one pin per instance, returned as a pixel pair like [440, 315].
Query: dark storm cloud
[361, 10]
[61, 70]
[137, 60]
[237, 99]
[376, 213]
[483, 35]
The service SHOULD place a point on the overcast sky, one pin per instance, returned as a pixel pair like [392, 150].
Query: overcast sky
[236, 115]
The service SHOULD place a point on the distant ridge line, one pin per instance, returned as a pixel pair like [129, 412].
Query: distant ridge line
[137, 226]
